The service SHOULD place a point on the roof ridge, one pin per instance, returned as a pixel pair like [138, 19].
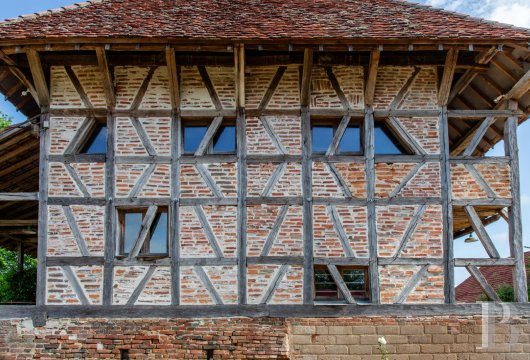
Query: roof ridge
[35, 15]
[457, 13]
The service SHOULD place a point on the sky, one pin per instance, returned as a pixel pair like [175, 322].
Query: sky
[515, 12]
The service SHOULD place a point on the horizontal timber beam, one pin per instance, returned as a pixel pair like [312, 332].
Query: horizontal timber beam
[19, 196]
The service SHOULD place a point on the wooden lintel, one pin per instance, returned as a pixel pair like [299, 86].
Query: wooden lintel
[19, 196]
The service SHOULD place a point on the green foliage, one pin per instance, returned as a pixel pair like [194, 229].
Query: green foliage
[505, 292]
[17, 286]
[5, 120]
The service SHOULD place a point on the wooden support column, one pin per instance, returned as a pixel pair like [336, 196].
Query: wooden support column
[42, 248]
[515, 224]
[39, 79]
[447, 78]
[239, 68]
[307, 211]
[369, 92]
[447, 208]
[373, 269]
[19, 75]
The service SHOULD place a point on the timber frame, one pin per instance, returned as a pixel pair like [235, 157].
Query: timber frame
[460, 143]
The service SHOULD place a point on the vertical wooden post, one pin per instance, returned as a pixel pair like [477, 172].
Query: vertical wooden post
[20, 256]
[43, 206]
[369, 152]
[239, 64]
[447, 207]
[515, 224]
[307, 210]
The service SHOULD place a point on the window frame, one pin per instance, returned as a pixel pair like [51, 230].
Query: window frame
[144, 252]
[90, 135]
[206, 123]
[336, 295]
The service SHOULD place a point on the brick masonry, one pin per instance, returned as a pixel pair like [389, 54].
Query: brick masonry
[409, 338]
[392, 221]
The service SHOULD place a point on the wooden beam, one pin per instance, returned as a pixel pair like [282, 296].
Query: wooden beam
[74, 283]
[15, 70]
[273, 233]
[17, 222]
[76, 232]
[208, 137]
[373, 67]
[336, 86]
[209, 86]
[411, 285]
[399, 130]
[410, 230]
[208, 179]
[280, 274]
[405, 90]
[518, 90]
[415, 170]
[77, 180]
[339, 133]
[480, 180]
[141, 286]
[19, 196]
[144, 178]
[269, 129]
[477, 136]
[340, 180]
[147, 222]
[483, 283]
[273, 180]
[143, 89]
[174, 83]
[208, 232]
[78, 87]
[108, 83]
[461, 84]
[341, 285]
[174, 207]
[208, 285]
[307, 200]
[39, 79]
[447, 77]
[272, 88]
[305, 92]
[481, 232]
[339, 229]
[239, 62]
[144, 138]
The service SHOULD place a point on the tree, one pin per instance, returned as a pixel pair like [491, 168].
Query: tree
[5, 120]
[15, 285]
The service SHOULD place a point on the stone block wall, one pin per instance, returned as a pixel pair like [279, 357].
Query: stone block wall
[265, 135]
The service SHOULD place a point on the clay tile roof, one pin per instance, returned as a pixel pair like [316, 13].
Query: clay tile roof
[262, 20]
[469, 290]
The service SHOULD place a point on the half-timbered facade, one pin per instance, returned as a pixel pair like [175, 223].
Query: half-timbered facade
[196, 170]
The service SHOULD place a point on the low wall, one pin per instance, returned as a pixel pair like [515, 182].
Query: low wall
[434, 337]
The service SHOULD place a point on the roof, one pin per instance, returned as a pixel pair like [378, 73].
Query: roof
[262, 20]
[470, 291]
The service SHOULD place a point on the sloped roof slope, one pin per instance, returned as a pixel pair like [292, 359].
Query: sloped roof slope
[247, 20]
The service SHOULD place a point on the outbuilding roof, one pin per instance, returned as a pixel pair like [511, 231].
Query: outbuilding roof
[258, 20]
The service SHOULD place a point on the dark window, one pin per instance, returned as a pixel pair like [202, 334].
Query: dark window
[193, 136]
[224, 142]
[321, 136]
[386, 143]
[355, 278]
[156, 242]
[96, 142]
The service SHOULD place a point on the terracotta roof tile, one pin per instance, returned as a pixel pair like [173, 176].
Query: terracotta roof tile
[256, 20]
[469, 290]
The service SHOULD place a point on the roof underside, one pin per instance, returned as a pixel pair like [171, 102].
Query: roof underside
[256, 20]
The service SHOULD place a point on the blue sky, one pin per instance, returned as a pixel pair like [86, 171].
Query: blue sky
[516, 12]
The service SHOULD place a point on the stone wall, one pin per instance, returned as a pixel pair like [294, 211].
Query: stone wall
[409, 338]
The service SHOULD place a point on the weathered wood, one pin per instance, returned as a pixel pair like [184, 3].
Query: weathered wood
[144, 178]
[472, 139]
[78, 87]
[80, 135]
[447, 207]
[276, 260]
[481, 232]
[339, 229]
[42, 247]
[278, 277]
[405, 90]
[518, 90]
[273, 158]
[411, 285]
[447, 77]
[212, 240]
[515, 228]
[174, 83]
[17, 222]
[76, 232]
[461, 84]
[340, 284]
[17, 196]
[141, 286]
[411, 261]
[74, 283]
[483, 283]
[337, 137]
[415, 170]
[208, 137]
[461, 262]
[273, 180]
[147, 222]
[273, 233]
[110, 211]
[66, 201]
[209, 86]
[19, 74]
[305, 89]
[208, 285]
[340, 180]
[395, 125]
[480, 180]
[139, 159]
[307, 209]
[373, 67]
[39, 79]
[272, 135]
[143, 88]
[210, 182]
[104, 69]
[272, 87]
[174, 209]
[369, 152]
[140, 131]
[483, 202]
[75, 260]
[410, 230]
[77, 180]
[336, 86]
